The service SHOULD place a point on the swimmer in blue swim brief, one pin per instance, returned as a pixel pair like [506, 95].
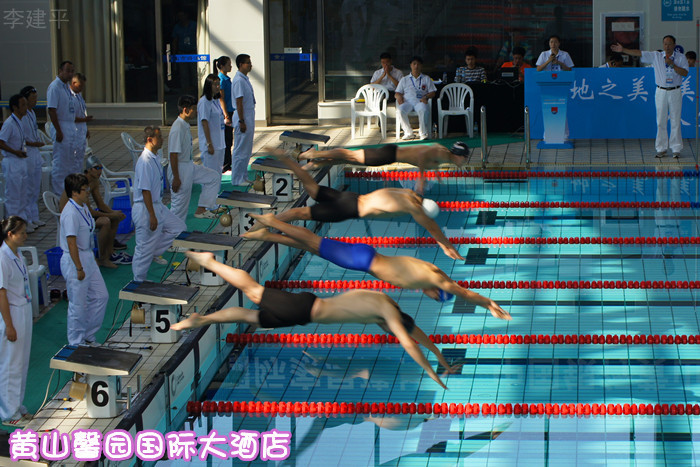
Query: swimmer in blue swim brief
[337, 206]
[278, 308]
[402, 271]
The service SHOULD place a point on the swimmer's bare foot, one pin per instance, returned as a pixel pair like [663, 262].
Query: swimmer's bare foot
[260, 234]
[268, 220]
[202, 258]
[308, 154]
[195, 320]
[277, 153]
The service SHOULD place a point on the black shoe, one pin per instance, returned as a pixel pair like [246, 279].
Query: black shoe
[119, 245]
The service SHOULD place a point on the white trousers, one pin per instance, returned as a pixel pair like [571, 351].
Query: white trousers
[64, 157]
[668, 106]
[87, 299]
[150, 243]
[14, 362]
[191, 173]
[34, 161]
[214, 161]
[421, 109]
[242, 150]
[15, 171]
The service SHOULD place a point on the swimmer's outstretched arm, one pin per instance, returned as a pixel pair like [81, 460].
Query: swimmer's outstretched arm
[227, 315]
[475, 298]
[431, 226]
[425, 341]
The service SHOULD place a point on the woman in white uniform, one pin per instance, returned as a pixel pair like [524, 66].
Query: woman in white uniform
[87, 293]
[210, 125]
[16, 324]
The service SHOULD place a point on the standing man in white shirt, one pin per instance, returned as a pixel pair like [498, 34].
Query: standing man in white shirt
[14, 160]
[413, 93]
[243, 121]
[62, 111]
[554, 59]
[77, 85]
[670, 67]
[155, 226]
[87, 292]
[183, 172]
[34, 160]
[388, 75]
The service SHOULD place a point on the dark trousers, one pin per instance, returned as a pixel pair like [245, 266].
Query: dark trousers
[228, 139]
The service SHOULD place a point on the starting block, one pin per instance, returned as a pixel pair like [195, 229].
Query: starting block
[166, 304]
[104, 368]
[247, 203]
[219, 244]
[303, 140]
[282, 177]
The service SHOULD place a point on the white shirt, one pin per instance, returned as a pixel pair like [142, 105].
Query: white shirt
[30, 127]
[241, 87]
[210, 110]
[76, 221]
[665, 76]
[12, 133]
[80, 110]
[59, 97]
[386, 82]
[148, 176]
[414, 89]
[14, 277]
[605, 65]
[180, 140]
[562, 57]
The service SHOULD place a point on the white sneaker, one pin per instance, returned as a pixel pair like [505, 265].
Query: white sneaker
[39, 223]
[160, 260]
[177, 249]
[423, 137]
[30, 228]
[407, 137]
[205, 215]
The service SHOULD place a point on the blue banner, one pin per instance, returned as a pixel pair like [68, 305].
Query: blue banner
[676, 10]
[293, 57]
[611, 103]
[187, 58]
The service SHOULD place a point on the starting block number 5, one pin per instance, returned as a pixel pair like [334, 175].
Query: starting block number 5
[282, 187]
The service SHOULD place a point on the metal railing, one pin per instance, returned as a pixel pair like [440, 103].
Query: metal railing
[484, 138]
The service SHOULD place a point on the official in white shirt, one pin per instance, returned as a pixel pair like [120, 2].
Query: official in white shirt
[670, 67]
[34, 160]
[243, 121]
[14, 159]
[210, 125]
[413, 93]
[77, 85]
[183, 172]
[62, 111]
[155, 226]
[554, 59]
[16, 323]
[388, 75]
[87, 293]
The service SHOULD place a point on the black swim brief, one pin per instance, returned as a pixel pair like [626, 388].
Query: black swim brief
[280, 309]
[334, 206]
[383, 155]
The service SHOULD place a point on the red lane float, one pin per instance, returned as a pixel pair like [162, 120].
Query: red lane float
[391, 175]
[469, 205]
[461, 339]
[414, 241]
[334, 409]
[533, 284]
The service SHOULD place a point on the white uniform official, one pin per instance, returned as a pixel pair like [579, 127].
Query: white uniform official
[81, 133]
[242, 142]
[668, 99]
[60, 97]
[150, 243]
[413, 90]
[180, 142]
[562, 57]
[210, 110]
[14, 168]
[87, 298]
[14, 356]
[386, 82]
[34, 162]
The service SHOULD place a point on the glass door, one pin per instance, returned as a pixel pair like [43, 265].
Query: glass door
[293, 61]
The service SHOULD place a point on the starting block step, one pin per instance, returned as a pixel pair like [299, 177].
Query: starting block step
[98, 361]
[302, 137]
[271, 165]
[239, 199]
[157, 294]
[206, 241]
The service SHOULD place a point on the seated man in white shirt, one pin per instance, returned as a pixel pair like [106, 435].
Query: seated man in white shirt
[388, 75]
[615, 61]
[413, 93]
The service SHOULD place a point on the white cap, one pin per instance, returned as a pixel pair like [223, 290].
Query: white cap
[430, 208]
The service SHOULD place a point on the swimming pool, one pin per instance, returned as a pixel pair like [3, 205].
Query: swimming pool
[517, 276]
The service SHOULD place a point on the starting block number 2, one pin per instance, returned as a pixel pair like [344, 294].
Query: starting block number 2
[282, 187]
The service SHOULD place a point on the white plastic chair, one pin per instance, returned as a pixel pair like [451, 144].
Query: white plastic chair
[46, 139]
[53, 202]
[51, 131]
[46, 166]
[413, 113]
[456, 94]
[135, 149]
[375, 97]
[108, 179]
[37, 278]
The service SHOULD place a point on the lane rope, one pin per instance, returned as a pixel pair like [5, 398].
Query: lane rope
[517, 175]
[414, 241]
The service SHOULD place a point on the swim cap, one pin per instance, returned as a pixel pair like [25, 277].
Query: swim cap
[430, 208]
[460, 148]
[445, 296]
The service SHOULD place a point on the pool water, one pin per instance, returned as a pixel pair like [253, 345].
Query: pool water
[503, 373]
